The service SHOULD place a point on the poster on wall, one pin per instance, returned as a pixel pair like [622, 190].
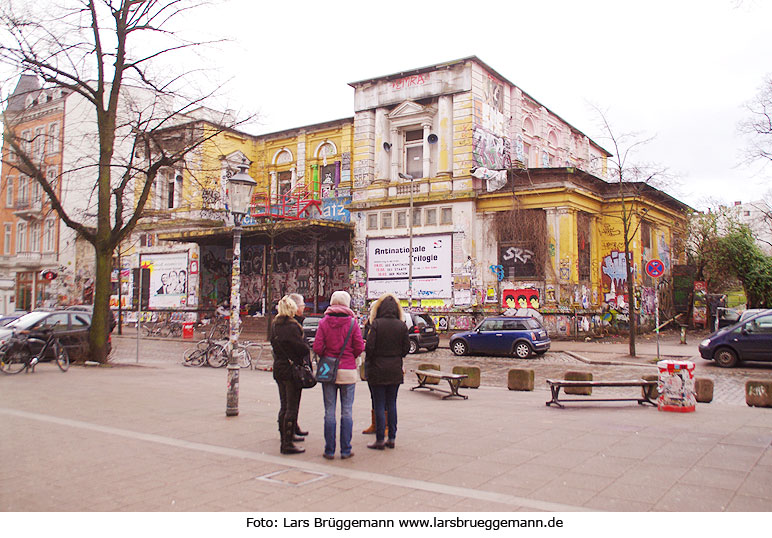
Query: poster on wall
[388, 266]
[168, 279]
[700, 312]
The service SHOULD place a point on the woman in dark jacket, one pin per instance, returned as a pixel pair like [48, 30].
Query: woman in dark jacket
[387, 342]
[289, 347]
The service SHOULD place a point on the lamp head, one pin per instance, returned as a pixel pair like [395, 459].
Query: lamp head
[240, 187]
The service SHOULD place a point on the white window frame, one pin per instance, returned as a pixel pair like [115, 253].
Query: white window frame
[372, 221]
[34, 237]
[412, 145]
[401, 219]
[430, 216]
[21, 236]
[49, 233]
[39, 142]
[386, 220]
[7, 238]
[9, 191]
[446, 211]
[416, 216]
[52, 147]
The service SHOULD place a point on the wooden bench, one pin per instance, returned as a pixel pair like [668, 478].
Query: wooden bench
[454, 381]
[556, 384]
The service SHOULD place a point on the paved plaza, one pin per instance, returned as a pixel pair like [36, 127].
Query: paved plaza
[151, 435]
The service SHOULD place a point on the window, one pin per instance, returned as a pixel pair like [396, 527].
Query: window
[34, 237]
[645, 234]
[285, 182]
[416, 217]
[52, 145]
[170, 195]
[583, 241]
[401, 219]
[431, 217]
[57, 321]
[9, 192]
[51, 175]
[36, 192]
[79, 321]
[48, 236]
[25, 142]
[38, 144]
[372, 221]
[7, 239]
[178, 189]
[22, 197]
[21, 236]
[414, 153]
[386, 219]
[446, 217]
[146, 240]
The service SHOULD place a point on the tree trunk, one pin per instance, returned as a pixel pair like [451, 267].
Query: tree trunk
[100, 320]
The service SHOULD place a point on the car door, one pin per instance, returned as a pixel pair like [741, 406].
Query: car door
[489, 338]
[58, 321]
[76, 340]
[757, 339]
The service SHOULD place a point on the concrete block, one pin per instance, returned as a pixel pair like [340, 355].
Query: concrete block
[758, 393]
[703, 389]
[471, 382]
[520, 379]
[653, 393]
[430, 366]
[578, 376]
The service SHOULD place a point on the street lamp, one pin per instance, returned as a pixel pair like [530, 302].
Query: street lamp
[410, 233]
[240, 187]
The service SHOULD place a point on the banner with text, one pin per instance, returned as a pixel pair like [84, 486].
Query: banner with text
[388, 266]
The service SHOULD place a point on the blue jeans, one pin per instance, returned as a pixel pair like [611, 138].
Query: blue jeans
[330, 393]
[385, 399]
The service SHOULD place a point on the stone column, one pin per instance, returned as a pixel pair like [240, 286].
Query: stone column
[427, 161]
[396, 151]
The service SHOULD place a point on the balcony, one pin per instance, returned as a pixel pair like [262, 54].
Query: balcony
[28, 209]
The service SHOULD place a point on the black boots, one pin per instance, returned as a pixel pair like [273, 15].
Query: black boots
[297, 436]
[299, 432]
[288, 438]
[378, 445]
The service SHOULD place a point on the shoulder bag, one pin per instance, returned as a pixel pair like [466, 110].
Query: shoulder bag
[327, 367]
[302, 372]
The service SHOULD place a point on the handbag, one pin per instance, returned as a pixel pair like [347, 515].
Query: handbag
[303, 373]
[327, 367]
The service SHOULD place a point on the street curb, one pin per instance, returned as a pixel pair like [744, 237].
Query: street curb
[605, 363]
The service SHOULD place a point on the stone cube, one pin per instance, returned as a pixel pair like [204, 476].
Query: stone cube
[758, 393]
[703, 389]
[578, 376]
[430, 366]
[473, 373]
[520, 379]
[653, 393]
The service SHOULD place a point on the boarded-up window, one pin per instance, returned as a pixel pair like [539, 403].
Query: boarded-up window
[645, 234]
[522, 238]
[583, 244]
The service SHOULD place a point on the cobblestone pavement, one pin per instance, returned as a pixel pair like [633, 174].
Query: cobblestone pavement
[728, 383]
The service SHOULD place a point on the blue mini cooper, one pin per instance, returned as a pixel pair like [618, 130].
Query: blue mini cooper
[503, 335]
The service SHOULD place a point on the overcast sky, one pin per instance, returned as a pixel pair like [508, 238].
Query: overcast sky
[680, 71]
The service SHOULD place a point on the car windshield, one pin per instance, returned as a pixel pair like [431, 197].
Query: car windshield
[424, 319]
[27, 320]
[532, 323]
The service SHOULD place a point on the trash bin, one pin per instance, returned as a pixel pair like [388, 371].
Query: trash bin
[187, 330]
[676, 386]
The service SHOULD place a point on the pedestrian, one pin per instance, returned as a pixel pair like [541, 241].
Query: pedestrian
[365, 330]
[301, 306]
[289, 347]
[387, 344]
[335, 330]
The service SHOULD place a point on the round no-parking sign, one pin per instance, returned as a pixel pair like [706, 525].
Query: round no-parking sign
[655, 268]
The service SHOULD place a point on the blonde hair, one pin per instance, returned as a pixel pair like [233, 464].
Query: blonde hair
[287, 307]
[341, 298]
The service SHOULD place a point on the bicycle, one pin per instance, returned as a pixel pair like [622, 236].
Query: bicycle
[199, 355]
[220, 357]
[163, 329]
[16, 354]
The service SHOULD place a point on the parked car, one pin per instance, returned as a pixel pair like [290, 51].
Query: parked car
[310, 325]
[421, 331]
[90, 309]
[8, 318]
[72, 328]
[503, 335]
[747, 340]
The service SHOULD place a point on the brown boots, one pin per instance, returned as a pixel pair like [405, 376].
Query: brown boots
[288, 438]
[371, 427]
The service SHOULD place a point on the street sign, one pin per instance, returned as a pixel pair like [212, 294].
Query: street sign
[655, 268]
[48, 275]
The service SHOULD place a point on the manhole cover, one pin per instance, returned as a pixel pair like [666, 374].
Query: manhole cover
[293, 477]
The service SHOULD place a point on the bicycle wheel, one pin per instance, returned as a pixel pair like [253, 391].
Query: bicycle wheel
[176, 330]
[62, 357]
[165, 330]
[194, 357]
[242, 357]
[146, 331]
[14, 360]
[217, 356]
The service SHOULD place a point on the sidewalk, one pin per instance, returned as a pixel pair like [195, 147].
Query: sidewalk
[154, 437]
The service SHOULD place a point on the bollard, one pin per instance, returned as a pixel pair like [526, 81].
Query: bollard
[683, 334]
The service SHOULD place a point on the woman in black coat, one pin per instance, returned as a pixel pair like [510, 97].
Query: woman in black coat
[289, 347]
[387, 343]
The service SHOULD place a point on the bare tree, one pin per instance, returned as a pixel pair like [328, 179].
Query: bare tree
[106, 54]
[632, 181]
[758, 126]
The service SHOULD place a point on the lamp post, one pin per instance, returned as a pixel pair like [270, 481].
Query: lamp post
[240, 187]
[410, 246]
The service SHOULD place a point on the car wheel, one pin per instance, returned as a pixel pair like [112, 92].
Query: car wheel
[459, 347]
[522, 350]
[413, 347]
[725, 357]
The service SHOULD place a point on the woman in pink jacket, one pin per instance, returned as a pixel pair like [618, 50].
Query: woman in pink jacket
[329, 340]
